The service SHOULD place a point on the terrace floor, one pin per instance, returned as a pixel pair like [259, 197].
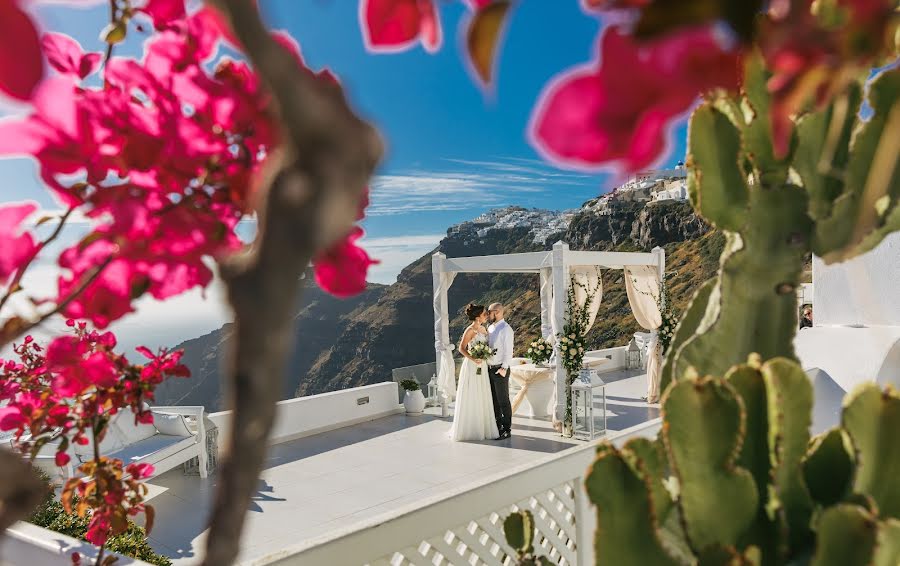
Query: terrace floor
[316, 484]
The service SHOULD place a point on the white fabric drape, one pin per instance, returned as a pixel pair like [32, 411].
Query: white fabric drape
[585, 279]
[547, 331]
[643, 287]
[446, 379]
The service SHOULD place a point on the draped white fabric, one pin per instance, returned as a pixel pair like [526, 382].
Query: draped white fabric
[585, 279]
[642, 285]
[547, 304]
[446, 378]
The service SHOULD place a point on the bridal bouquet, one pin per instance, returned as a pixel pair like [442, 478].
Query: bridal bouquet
[539, 351]
[480, 351]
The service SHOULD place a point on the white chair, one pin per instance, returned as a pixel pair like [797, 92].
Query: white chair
[643, 342]
[167, 443]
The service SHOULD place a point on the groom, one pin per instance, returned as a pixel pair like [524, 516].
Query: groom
[500, 337]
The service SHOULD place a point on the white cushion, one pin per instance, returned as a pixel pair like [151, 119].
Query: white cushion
[130, 432]
[111, 442]
[171, 424]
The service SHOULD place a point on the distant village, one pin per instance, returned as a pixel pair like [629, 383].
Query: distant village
[647, 187]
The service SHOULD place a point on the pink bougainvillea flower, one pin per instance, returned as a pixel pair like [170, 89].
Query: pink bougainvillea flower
[618, 111]
[163, 12]
[21, 62]
[65, 55]
[62, 459]
[396, 25]
[139, 471]
[342, 269]
[11, 417]
[16, 247]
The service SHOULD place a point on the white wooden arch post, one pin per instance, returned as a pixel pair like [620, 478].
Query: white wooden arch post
[560, 276]
[442, 344]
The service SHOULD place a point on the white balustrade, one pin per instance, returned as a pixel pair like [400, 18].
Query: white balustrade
[466, 527]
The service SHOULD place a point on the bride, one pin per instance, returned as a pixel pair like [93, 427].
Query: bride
[474, 415]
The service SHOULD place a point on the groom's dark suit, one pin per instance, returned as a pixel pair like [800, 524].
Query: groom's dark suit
[500, 337]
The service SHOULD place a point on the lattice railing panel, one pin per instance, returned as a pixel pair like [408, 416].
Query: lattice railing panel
[481, 542]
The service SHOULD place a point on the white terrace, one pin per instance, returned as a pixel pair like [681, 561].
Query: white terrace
[352, 480]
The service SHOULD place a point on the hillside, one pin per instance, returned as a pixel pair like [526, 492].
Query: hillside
[344, 344]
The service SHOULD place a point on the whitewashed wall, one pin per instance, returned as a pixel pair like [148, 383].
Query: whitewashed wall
[862, 291]
[305, 416]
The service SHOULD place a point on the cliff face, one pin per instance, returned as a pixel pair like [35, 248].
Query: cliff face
[344, 344]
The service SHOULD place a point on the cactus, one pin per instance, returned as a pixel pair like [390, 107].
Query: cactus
[629, 533]
[835, 194]
[750, 487]
[872, 419]
[519, 530]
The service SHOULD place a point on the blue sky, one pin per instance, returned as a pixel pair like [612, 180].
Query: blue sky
[452, 151]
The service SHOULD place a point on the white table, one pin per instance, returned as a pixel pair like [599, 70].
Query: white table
[537, 383]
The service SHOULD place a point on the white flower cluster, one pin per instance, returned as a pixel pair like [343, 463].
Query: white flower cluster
[572, 348]
[480, 350]
[539, 351]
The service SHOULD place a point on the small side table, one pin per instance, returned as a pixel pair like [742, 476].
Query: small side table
[211, 442]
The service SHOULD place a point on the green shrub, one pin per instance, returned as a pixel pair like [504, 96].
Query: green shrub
[410, 385]
[51, 515]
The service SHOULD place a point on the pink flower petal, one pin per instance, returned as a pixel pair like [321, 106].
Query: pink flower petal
[65, 55]
[16, 247]
[21, 62]
[164, 12]
[619, 111]
[342, 270]
[396, 25]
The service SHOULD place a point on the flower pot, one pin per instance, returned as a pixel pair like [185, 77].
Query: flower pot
[414, 402]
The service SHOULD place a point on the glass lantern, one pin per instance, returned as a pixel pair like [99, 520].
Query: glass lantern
[588, 405]
[433, 399]
[633, 355]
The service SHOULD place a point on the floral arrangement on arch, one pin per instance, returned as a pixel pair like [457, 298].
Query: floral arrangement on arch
[67, 393]
[670, 318]
[572, 338]
[540, 351]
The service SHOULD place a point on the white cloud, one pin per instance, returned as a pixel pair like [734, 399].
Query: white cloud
[396, 253]
[479, 184]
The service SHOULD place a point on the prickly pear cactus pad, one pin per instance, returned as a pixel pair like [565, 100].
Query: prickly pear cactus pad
[704, 431]
[872, 419]
[627, 520]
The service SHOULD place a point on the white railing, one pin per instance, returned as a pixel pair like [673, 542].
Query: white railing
[24, 543]
[466, 527]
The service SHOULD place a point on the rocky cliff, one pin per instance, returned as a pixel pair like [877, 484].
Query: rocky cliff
[344, 344]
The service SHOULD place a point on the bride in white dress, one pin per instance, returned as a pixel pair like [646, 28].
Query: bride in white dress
[473, 418]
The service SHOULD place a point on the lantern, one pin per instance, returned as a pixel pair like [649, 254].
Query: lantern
[633, 355]
[433, 399]
[588, 405]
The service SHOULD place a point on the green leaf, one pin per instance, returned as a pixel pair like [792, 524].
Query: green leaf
[627, 531]
[790, 402]
[846, 536]
[703, 431]
[872, 418]
[685, 330]
[715, 183]
[484, 34]
[648, 458]
[867, 209]
[519, 531]
[887, 551]
[758, 145]
[828, 467]
[823, 148]
[114, 32]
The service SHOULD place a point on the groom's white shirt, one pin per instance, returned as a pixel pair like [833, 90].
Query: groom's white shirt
[500, 336]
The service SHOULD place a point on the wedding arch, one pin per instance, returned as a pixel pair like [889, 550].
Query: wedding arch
[556, 268]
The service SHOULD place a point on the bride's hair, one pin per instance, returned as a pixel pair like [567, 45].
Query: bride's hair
[473, 311]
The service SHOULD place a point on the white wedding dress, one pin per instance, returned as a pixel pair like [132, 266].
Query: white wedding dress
[473, 418]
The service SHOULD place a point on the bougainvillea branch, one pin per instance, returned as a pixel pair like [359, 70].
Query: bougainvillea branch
[311, 203]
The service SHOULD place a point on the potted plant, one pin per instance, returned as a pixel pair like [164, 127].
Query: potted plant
[414, 400]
